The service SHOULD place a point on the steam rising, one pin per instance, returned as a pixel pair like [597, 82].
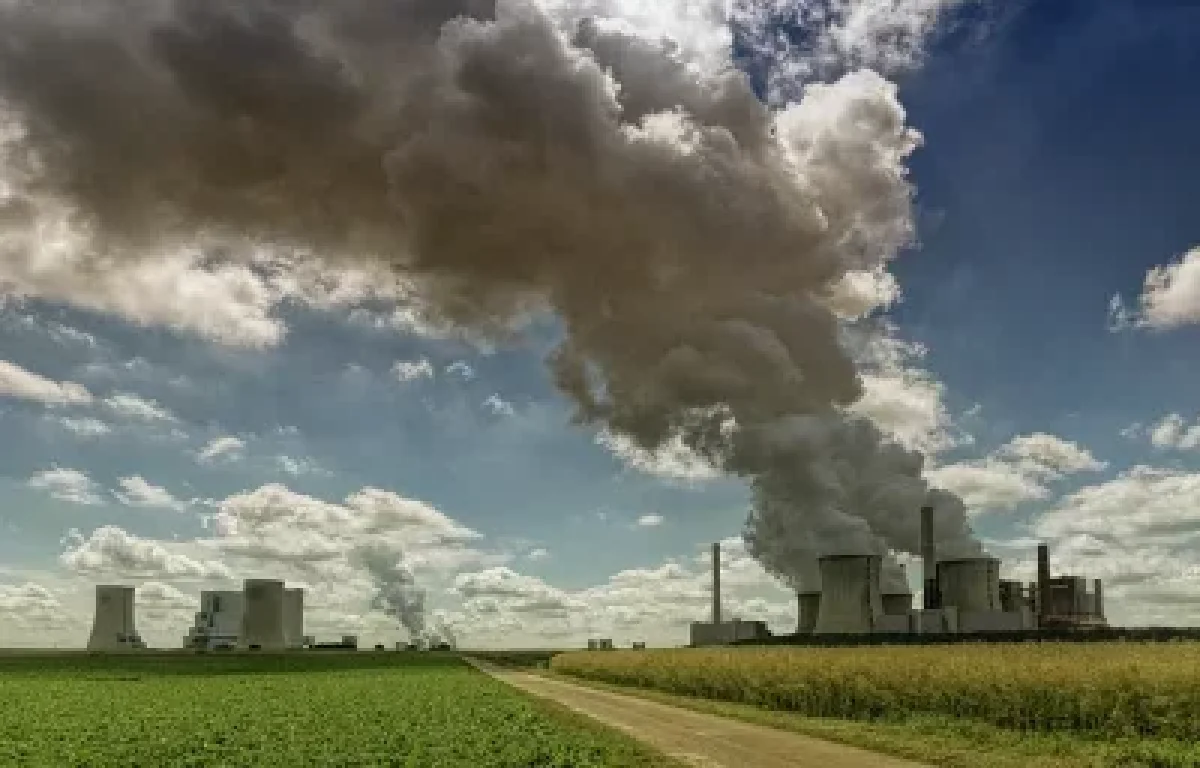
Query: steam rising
[396, 590]
[509, 159]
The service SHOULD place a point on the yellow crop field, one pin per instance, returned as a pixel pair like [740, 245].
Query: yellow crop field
[1102, 690]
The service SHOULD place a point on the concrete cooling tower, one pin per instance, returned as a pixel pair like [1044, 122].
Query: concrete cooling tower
[850, 599]
[293, 618]
[262, 615]
[808, 605]
[113, 626]
[970, 585]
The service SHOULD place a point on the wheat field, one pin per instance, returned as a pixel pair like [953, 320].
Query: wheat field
[1105, 690]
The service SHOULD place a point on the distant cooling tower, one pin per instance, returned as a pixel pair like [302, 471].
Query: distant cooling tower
[808, 606]
[850, 599]
[293, 618]
[970, 585]
[262, 615]
[113, 626]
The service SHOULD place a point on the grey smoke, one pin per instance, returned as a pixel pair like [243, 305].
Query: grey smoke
[396, 591]
[685, 236]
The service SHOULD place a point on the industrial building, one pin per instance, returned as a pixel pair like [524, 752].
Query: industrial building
[600, 644]
[265, 615]
[113, 626]
[961, 596]
[718, 632]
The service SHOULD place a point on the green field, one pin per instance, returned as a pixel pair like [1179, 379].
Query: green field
[364, 709]
[1126, 704]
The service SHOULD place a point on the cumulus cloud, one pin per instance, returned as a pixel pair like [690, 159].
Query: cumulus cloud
[69, 485]
[412, 370]
[1173, 432]
[31, 609]
[112, 551]
[84, 426]
[16, 382]
[673, 460]
[223, 448]
[136, 408]
[498, 406]
[1015, 473]
[906, 401]
[1170, 298]
[137, 492]
[652, 520]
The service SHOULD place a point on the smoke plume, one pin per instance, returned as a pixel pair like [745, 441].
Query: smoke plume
[396, 590]
[510, 158]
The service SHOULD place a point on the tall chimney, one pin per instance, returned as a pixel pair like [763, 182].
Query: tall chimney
[1098, 589]
[716, 562]
[929, 559]
[1043, 581]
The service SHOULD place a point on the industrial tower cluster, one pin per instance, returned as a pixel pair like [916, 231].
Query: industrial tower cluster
[962, 596]
[265, 615]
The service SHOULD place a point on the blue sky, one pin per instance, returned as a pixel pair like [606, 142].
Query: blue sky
[1058, 169]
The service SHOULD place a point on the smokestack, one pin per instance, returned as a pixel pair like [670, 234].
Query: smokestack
[1098, 600]
[716, 562]
[929, 559]
[1043, 580]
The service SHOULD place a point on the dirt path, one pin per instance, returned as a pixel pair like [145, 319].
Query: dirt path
[695, 738]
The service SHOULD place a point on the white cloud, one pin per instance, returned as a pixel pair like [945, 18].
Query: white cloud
[859, 294]
[498, 406]
[904, 400]
[137, 492]
[537, 555]
[31, 610]
[672, 461]
[84, 427]
[69, 485]
[136, 408]
[1173, 432]
[462, 369]
[412, 370]
[1170, 297]
[652, 520]
[112, 551]
[224, 448]
[298, 467]
[1015, 473]
[21, 384]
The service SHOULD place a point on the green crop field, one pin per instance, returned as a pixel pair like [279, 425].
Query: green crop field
[1142, 696]
[291, 710]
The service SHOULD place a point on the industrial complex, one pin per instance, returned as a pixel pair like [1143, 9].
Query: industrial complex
[963, 596]
[265, 615]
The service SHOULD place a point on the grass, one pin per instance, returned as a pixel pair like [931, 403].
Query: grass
[979, 705]
[422, 710]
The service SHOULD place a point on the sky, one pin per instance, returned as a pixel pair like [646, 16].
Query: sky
[190, 422]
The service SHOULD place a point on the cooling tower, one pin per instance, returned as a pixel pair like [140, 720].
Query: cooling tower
[808, 606]
[970, 585]
[113, 626]
[850, 599]
[262, 615]
[897, 595]
[293, 618]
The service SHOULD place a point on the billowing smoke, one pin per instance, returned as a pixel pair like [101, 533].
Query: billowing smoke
[509, 159]
[396, 591]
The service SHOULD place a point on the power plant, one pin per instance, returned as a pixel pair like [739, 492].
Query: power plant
[962, 596]
[265, 615]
